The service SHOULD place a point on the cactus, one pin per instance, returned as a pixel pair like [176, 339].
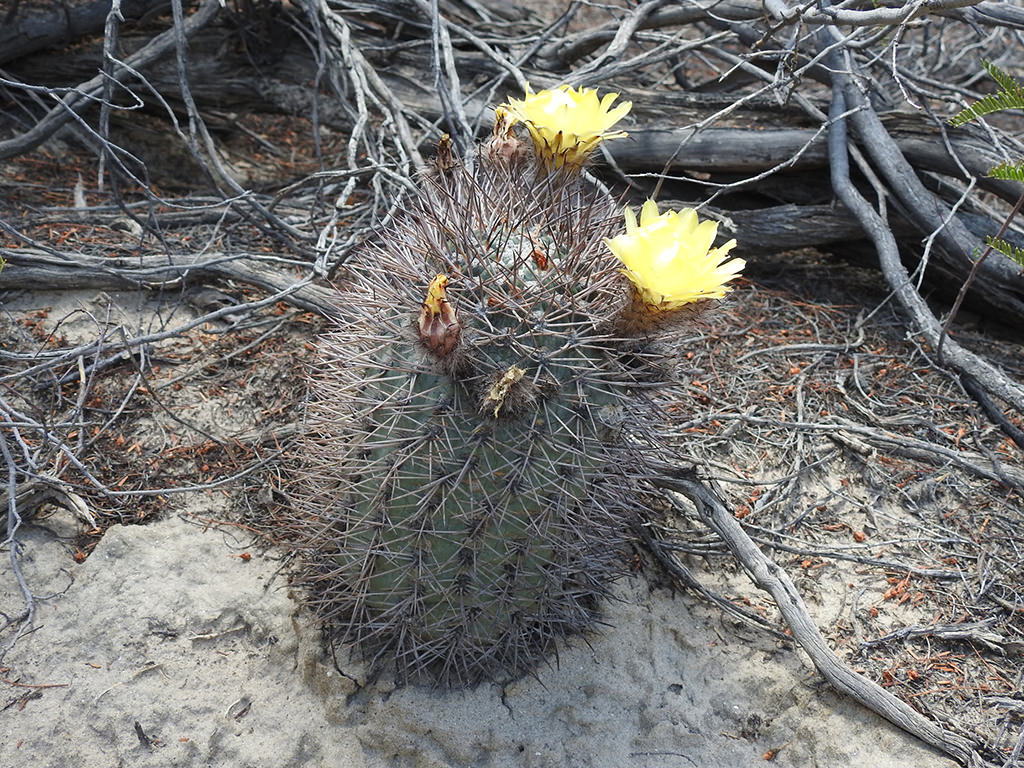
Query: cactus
[480, 421]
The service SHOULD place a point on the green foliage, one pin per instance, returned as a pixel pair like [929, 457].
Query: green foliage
[1008, 172]
[1009, 96]
[1014, 252]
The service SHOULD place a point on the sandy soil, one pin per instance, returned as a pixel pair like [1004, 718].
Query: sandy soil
[165, 648]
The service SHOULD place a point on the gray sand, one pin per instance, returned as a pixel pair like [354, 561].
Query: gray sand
[166, 649]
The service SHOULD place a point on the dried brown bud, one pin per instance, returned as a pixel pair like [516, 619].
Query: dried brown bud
[445, 160]
[503, 146]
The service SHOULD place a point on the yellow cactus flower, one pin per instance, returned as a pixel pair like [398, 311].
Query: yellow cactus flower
[566, 124]
[669, 259]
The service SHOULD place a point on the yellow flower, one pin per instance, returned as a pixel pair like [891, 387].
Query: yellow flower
[566, 124]
[669, 258]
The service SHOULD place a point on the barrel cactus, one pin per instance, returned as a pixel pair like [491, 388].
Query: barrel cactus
[480, 414]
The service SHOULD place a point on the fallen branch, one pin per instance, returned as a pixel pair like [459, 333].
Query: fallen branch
[31, 495]
[994, 380]
[31, 269]
[30, 27]
[774, 580]
[88, 93]
[976, 632]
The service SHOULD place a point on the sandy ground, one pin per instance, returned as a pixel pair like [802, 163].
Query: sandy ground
[165, 648]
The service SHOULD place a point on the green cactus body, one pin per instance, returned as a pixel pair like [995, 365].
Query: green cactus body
[464, 511]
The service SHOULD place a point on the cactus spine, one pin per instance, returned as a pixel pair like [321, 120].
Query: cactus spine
[475, 437]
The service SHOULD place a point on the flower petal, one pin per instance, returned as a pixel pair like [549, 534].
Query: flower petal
[631, 225]
[648, 213]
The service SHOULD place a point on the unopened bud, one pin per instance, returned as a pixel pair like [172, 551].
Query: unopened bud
[438, 324]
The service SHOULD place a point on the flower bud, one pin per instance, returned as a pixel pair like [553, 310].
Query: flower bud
[438, 325]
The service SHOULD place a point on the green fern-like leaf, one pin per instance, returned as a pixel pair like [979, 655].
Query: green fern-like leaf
[1008, 172]
[1004, 80]
[1009, 96]
[1014, 252]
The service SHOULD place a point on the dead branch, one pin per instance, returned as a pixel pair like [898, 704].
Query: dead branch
[774, 580]
[967, 363]
[84, 95]
[31, 269]
[28, 27]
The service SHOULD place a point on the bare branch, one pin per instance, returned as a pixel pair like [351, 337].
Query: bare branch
[84, 95]
[774, 580]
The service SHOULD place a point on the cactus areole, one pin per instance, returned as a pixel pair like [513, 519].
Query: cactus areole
[479, 422]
